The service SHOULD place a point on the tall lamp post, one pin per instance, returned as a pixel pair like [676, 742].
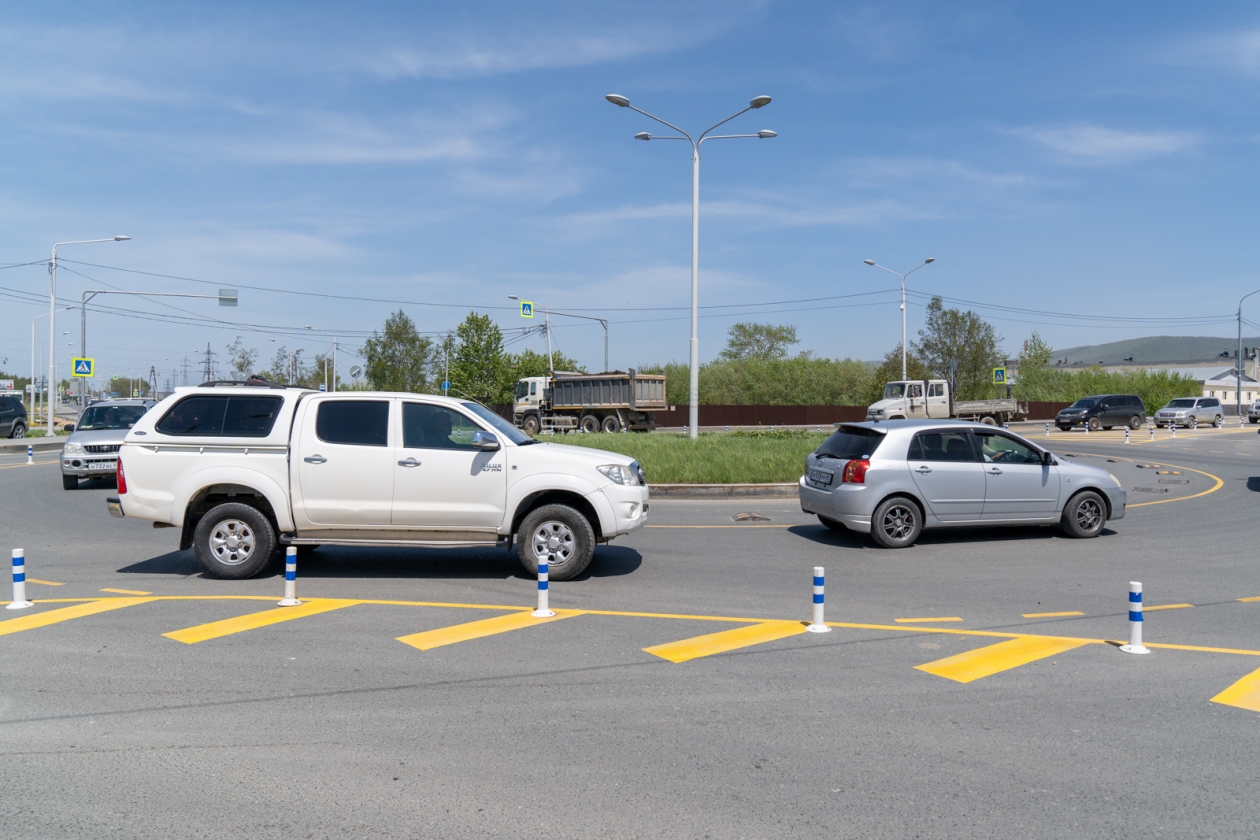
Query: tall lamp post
[1238, 362]
[903, 277]
[758, 102]
[547, 313]
[52, 317]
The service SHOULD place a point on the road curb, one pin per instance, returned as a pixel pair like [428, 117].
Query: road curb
[723, 491]
[9, 447]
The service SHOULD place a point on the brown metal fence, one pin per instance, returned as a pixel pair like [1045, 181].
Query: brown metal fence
[787, 415]
[1045, 410]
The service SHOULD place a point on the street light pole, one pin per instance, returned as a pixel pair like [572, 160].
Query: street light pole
[1238, 361]
[903, 277]
[52, 307]
[758, 102]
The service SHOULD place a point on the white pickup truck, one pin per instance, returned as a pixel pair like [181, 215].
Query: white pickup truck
[244, 469]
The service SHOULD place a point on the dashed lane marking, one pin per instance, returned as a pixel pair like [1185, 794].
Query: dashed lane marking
[1245, 694]
[36, 464]
[125, 591]
[986, 661]
[733, 527]
[1249, 600]
[55, 583]
[726, 640]
[926, 620]
[1168, 607]
[1052, 614]
[43, 619]
[218, 629]
[430, 639]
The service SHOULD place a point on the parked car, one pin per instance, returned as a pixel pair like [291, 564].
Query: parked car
[892, 480]
[1253, 413]
[1103, 412]
[1184, 411]
[13, 421]
[92, 448]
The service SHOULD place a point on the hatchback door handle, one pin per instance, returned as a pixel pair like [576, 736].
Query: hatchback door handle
[923, 470]
[994, 471]
[410, 462]
[315, 459]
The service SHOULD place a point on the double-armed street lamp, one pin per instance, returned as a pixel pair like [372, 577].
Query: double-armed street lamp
[758, 102]
[903, 277]
[547, 313]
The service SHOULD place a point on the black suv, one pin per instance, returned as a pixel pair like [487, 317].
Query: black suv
[1103, 412]
[12, 417]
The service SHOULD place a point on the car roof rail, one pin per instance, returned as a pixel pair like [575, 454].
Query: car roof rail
[253, 382]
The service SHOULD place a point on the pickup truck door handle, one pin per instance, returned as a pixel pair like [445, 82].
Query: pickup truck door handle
[410, 462]
[994, 471]
[315, 459]
[924, 470]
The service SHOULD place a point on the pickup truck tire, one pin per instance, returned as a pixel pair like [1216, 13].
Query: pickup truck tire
[896, 523]
[69, 482]
[988, 421]
[560, 533]
[1084, 515]
[234, 541]
[589, 424]
[611, 424]
[530, 424]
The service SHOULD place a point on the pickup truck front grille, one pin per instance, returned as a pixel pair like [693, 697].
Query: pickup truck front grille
[99, 449]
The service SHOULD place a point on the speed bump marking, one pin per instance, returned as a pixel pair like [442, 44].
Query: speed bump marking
[30, 622]
[252, 621]
[726, 640]
[430, 639]
[1245, 694]
[993, 659]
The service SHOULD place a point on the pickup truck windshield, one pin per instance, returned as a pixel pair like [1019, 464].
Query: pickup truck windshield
[894, 390]
[500, 425]
[110, 417]
[851, 442]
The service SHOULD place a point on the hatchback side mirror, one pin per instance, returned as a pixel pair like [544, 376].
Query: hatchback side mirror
[1047, 459]
[485, 441]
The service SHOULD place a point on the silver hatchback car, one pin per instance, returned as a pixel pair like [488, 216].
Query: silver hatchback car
[891, 480]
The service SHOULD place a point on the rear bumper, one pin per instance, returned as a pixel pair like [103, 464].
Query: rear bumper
[115, 507]
[848, 504]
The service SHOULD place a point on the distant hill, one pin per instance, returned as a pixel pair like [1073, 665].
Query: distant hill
[1156, 350]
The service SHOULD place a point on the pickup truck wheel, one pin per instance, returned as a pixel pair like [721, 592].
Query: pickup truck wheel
[988, 421]
[612, 424]
[234, 541]
[896, 523]
[561, 535]
[530, 424]
[1135, 422]
[1084, 515]
[69, 482]
[589, 424]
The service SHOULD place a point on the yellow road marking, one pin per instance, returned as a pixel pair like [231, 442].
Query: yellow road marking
[925, 620]
[1220, 482]
[1051, 615]
[726, 640]
[1245, 694]
[720, 526]
[125, 591]
[1216, 452]
[43, 619]
[1168, 607]
[430, 639]
[975, 664]
[216, 629]
[54, 583]
[36, 464]
[1249, 600]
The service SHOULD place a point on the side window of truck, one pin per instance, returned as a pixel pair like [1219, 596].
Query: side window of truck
[936, 390]
[236, 416]
[436, 427]
[353, 422]
[533, 389]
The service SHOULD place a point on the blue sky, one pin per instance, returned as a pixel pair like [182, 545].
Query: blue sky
[1062, 160]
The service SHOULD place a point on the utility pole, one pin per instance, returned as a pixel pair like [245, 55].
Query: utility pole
[207, 375]
[152, 382]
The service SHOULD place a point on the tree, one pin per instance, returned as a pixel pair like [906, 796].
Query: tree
[281, 365]
[1036, 354]
[242, 358]
[763, 342]
[889, 370]
[398, 358]
[962, 343]
[478, 366]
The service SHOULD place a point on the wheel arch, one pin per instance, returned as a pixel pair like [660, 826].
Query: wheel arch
[903, 494]
[1106, 500]
[206, 498]
[558, 496]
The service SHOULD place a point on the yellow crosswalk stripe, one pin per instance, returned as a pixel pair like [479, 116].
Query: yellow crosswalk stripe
[1051, 615]
[975, 664]
[429, 639]
[1245, 694]
[926, 620]
[43, 619]
[49, 583]
[126, 592]
[726, 640]
[228, 626]
[1168, 607]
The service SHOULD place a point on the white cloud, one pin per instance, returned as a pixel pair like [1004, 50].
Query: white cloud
[1095, 144]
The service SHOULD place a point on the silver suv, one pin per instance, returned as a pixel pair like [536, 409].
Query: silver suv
[892, 480]
[1186, 410]
[92, 448]
[1253, 413]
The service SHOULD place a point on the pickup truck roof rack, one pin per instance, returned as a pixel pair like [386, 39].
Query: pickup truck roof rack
[253, 382]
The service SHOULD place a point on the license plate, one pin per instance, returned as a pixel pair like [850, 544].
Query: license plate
[820, 476]
[100, 466]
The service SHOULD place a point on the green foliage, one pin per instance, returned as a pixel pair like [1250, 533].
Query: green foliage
[398, 358]
[479, 367]
[1155, 388]
[964, 342]
[1036, 354]
[890, 371]
[241, 358]
[801, 380]
[762, 342]
[711, 458]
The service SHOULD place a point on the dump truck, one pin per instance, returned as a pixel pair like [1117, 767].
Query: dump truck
[932, 399]
[589, 402]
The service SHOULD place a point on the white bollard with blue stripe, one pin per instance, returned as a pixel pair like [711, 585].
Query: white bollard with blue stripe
[19, 581]
[30, 454]
[1126, 434]
[818, 625]
[1047, 430]
[543, 610]
[1135, 620]
[290, 578]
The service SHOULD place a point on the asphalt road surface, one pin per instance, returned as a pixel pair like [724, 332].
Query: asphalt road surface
[966, 689]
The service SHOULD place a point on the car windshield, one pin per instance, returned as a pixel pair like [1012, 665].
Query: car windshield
[894, 390]
[1180, 404]
[500, 425]
[1085, 403]
[522, 389]
[110, 417]
[851, 442]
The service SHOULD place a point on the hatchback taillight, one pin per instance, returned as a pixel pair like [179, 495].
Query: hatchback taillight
[854, 471]
[122, 479]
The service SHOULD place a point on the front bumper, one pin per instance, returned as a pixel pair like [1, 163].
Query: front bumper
[1069, 420]
[87, 466]
[848, 504]
[1117, 497]
[629, 507]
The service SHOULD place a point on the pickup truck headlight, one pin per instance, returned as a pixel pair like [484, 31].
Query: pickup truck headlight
[72, 449]
[629, 476]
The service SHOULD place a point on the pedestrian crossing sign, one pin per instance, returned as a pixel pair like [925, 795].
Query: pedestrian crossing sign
[83, 368]
[527, 309]
[999, 376]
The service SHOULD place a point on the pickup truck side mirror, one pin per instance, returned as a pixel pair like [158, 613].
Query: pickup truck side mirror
[485, 441]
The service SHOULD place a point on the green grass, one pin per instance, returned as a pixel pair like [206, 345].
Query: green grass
[716, 458]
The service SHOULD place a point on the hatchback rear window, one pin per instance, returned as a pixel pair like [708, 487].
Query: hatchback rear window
[239, 416]
[850, 442]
